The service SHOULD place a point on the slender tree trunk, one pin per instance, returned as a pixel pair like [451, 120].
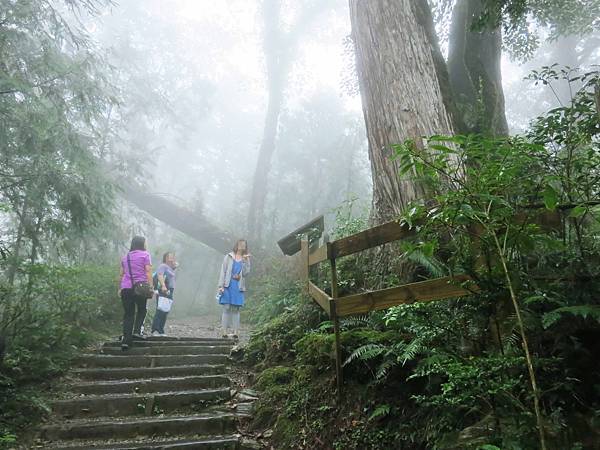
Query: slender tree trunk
[404, 89]
[265, 156]
[35, 238]
[277, 68]
[279, 46]
[474, 66]
[16, 250]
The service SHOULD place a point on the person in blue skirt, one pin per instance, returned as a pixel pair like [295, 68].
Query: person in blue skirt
[232, 286]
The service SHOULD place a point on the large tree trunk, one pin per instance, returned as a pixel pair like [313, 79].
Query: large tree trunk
[474, 66]
[404, 90]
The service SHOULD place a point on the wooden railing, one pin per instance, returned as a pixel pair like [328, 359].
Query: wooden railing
[365, 302]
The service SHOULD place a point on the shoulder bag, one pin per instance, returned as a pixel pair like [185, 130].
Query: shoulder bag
[141, 288]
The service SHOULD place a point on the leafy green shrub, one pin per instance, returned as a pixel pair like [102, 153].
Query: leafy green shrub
[45, 317]
[274, 342]
[519, 215]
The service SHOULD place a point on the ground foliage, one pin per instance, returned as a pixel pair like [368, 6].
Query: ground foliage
[520, 216]
[46, 320]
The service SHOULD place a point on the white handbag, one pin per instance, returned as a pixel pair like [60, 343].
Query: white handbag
[164, 304]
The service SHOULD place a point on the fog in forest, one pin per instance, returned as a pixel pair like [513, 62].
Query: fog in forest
[201, 87]
[349, 224]
[195, 92]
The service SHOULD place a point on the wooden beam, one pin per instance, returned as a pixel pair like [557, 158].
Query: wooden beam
[382, 234]
[319, 296]
[304, 260]
[318, 255]
[423, 291]
[339, 374]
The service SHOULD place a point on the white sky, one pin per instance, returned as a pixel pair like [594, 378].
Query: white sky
[235, 50]
[318, 63]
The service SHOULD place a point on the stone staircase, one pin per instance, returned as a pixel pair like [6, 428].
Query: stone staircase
[163, 393]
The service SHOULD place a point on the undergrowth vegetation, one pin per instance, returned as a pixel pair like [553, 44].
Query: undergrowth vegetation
[513, 366]
[45, 318]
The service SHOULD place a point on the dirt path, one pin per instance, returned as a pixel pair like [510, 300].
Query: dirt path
[199, 326]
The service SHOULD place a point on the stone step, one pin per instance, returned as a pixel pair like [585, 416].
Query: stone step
[205, 424]
[116, 405]
[151, 342]
[126, 360]
[136, 373]
[170, 350]
[184, 339]
[207, 443]
[144, 386]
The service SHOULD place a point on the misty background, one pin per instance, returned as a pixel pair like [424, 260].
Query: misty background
[191, 86]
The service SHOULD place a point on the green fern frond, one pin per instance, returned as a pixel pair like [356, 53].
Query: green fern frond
[430, 263]
[384, 369]
[583, 311]
[380, 411]
[366, 352]
[432, 361]
[354, 322]
[511, 340]
[411, 351]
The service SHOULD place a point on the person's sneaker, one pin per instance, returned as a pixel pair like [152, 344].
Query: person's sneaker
[139, 337]
[156, 334]
[124, 347]
[163, 334]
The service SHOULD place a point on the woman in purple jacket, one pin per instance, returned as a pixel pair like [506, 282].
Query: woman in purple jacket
[136, 267]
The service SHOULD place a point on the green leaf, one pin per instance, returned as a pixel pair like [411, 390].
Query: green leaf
[550, 198]
[583, 311]
[380, 411]
[441, 148]
[578, 211]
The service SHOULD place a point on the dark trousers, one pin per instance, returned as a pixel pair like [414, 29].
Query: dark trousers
[158, 323]
[132, 321]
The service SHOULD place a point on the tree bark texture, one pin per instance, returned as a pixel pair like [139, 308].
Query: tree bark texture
[474, 67]
[404, 89]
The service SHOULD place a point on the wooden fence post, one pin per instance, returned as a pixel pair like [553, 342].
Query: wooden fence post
[339, 377]
[304, 268]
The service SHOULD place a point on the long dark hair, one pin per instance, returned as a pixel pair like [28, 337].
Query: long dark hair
[138, 243]
[236, 246]
[165, 256]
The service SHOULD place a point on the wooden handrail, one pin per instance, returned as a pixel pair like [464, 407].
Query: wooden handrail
[373, 237]
[422, 291]
[319, 296]
[363, 303]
